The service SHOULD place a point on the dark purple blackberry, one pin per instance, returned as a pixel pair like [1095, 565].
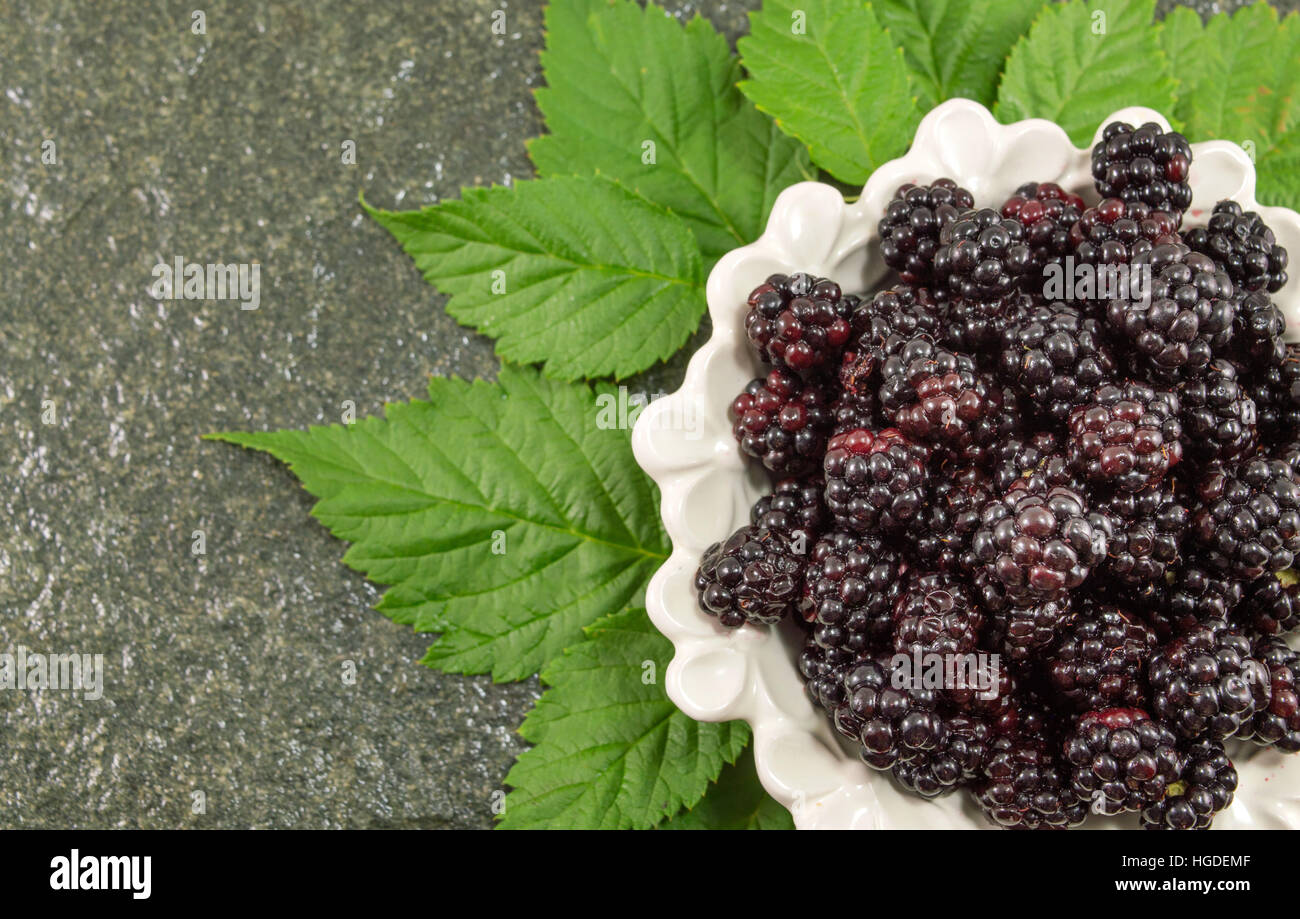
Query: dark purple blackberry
[851, 585]
[1218, 415]
[1019, 454]
[942, 531]
[1056, 358]
[898, 313]
[1244, 245]
[909, 232]
[1249, 522]
[1025, 630]
[1038, 541]
[1127, 437]
[1099, 660]
[975, 328]
[1047, 213]
[823, 672]
[982, 257]
[958, 761]
[799, 321]
[1206, 684]
[891, 724]
[1278, 725]
[856, 406]
[1275, 390]
[1146, 164]
[1146, 535]
[752, 576]
[1191, 597]
[794, 507]
[875, 479]
[1188, 319]
[1122, 760]
[1115, 233]
[1271, 605]
[1258, 327]
[1203, 790]
[936, 615]
[783, 421]
[1024, 787]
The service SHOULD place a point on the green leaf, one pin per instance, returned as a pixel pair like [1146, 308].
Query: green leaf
[578, 274]
[502, 515]
[830, 74]
[736, 801]
[1241, 82]
[956, 47]
[612, 751]
[620, 77]
[1083, 60]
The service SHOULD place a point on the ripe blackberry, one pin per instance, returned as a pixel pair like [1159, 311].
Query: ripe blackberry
[1204, 789]
[1244, 245]
[898, 313]
[1206, 684]
[1024, 787]
[891, 724]
[1122, 760]
[794, 507]
[1056, 358]
[1115, 233]
[1249, 522]
[1192, 597]
[1258, 328]
[958, 761]
[783, 421]
[1146, 164]
[1127, 437]
[823, 671]
[1025, 630]
[935, 615]
[1218, 415]
[1275, 390]
[1271, 605]
[1020, 454]
[975, 328]
[982, 256]
[1047, 213]
[909, 232]
[1038, 541]
[942, 530]
[851, 586]
[1188, 319]
[874, 479]
[752, 576]
[1146, 535]
[1099, 660]
[1278, 725]
[799, 321]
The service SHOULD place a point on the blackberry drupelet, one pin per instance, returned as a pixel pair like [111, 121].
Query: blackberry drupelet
[851, 585]
[799, 321]
[1278, 725]
[936, 615]
[794, 506]
[909, 231]
[1099, 660]
[1205, 684]
[1024, 787]
[875, 479]
[1122, 760]
[752, 576]
[982, 257]
[1146, 164]
[890, 724]
[1275, 390]
[958, 761]
[1218, 415]
[942, 530]
[1244, 245]
[1056, 358]
[1249, 521]
[1192, 596]
[1127, 437]
[1146, 535]
[1203, 790]
[783, 422]
[1271, 605]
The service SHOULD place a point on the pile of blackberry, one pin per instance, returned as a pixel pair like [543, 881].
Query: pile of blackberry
[1076, 512]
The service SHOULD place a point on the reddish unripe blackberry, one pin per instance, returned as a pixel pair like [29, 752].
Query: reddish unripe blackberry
[909, 232]
[874, 479]
[851, 585]
[752, 576]
[1188, 319]
[1271, 605]
[1205, 684]
[1146, 164]
[942, 531]
[958, 761]
[1038, 541]
[1258, 327]
[1278, 725]
[890, 723]
[1244, 245]
[1099, 660]
[936, 615]
[1249, 522]
[1056, 357]
[1218, 415]
[1024, 787]
[1127, 437]
[1145, 536]
[794, 507]
[1047, 213]
[799, 321]
[1203, 790]
[1025, 630]
[1115, 233]
[982, 256]
[1275, 390]
[783, 421]
[1191, 597]
[1122, 760]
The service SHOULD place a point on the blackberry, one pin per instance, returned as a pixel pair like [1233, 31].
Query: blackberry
[1122, 760]
[1258, 327]
[1099, 659]
[857, 406]
[1115, 233]
[1188, 319]
[851, 586]
[1020, 454]
[1024, 631]
[891, 724]
[900, 312]
[794, 507]
[1203, 790]
[874, 479]
[1205, 684]
[1244, 245]
[974, 328]
[1278, 725]
[1056, 357]
[752, 576]
[823, 671]
[909, 232]
[1249, 522]
[1038, 541]
[942, 530]
[1192, 597]
[799, 321]
[935, 615]
[1146, 535]
[982, 257]
[1275, 390]
[957, 761]
[783, 421]
[1146, 164]
[1024, 787]
[1217, 414]
[1271, 605]
[1127, 437]
[1047, 213]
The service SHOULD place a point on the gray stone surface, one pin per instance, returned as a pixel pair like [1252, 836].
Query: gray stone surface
[224, 672]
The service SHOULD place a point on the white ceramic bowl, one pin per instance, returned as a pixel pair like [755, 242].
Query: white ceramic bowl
[707, 487]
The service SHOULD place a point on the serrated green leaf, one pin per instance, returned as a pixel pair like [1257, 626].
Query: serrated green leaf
[840, 85]
[502, 515]
[1083, 60]
[578, 274]
[612, 751]
[736, 801]
[620, 77]
[956, 47]
[1240, 81]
